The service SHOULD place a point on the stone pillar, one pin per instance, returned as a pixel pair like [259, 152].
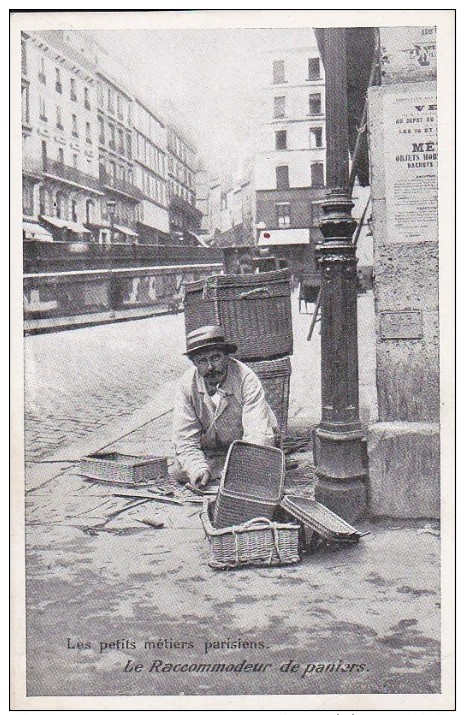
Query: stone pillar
[403, 447]
[341, 475]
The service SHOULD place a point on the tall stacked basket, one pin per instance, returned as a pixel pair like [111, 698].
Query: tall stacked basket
[254, 311]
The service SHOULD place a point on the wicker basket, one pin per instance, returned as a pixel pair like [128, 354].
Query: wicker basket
[253, 310]
[258, 542]
[275, 376]
[251, 486]
[123, 468]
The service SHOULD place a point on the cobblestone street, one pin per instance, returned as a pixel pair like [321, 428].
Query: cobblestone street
[78, 381]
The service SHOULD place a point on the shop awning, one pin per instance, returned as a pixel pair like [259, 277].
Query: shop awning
[124, 229]
[36, 231]
[284, 237]
[61, 223]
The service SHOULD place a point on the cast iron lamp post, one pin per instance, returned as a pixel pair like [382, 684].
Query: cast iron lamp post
[341, 474]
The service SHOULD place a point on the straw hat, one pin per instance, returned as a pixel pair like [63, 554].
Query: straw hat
[209, 336]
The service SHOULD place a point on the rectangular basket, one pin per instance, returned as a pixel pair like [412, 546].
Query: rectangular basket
[253, 310]
[259, 542]
[251, 485]
[275, 376]
[123, 468]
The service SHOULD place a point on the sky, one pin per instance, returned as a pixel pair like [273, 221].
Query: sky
[210, 78]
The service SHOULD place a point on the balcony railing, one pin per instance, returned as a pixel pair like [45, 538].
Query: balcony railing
[70, 174]
[120, 186]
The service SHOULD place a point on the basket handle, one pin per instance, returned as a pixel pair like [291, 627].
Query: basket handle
[257, 520]
[255, 291]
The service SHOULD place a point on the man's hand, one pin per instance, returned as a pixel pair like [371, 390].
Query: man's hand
[200, 480]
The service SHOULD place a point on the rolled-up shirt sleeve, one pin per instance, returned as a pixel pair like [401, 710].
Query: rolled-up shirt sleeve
[187, 432]
[258, 421]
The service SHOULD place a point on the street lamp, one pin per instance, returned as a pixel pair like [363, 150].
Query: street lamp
[111, 208]
[341, 472]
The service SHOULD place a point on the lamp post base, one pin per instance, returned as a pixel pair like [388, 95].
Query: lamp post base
[341, 473]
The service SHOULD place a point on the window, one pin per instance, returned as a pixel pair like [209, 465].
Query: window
[42, 75]
[75, 161]
[61, 156]
[282, 177]
[43, 109]
[283, 213]
[316, 137]
[74, 211]
[119, 106]
[130, 176]
[75, 129]
[101, 130]
[100, 94]
[317, 171]
[279, 107]
[42, 201]
[281, 139]
[101, 167]
[25, 103]
[28, 199]
[58, 85]
[44, 155]
[86, 98]
[60, 205]
[314, 104]
[112, 170]
[278, 72]
[121, 172]
[112, 136]
[104, 208]
[111, 99]
[73, 90]
[120, 141]
[128, 145]
[59, 122]
[89, 211]
[23, 56]
[314, 68]
[88, 133]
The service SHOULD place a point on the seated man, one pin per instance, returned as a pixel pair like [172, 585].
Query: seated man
[219, 400]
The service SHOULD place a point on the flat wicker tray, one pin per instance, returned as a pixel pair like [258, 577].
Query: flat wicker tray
[123, 468]
[258, 542]
[320, 518]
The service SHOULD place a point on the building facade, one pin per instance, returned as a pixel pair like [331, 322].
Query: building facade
[185, 219]
[151, 165]
[98, 161]
[290, 159]
[116, 162]
[61, 187]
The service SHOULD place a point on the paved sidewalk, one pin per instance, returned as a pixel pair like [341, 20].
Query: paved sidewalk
[138, 595]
